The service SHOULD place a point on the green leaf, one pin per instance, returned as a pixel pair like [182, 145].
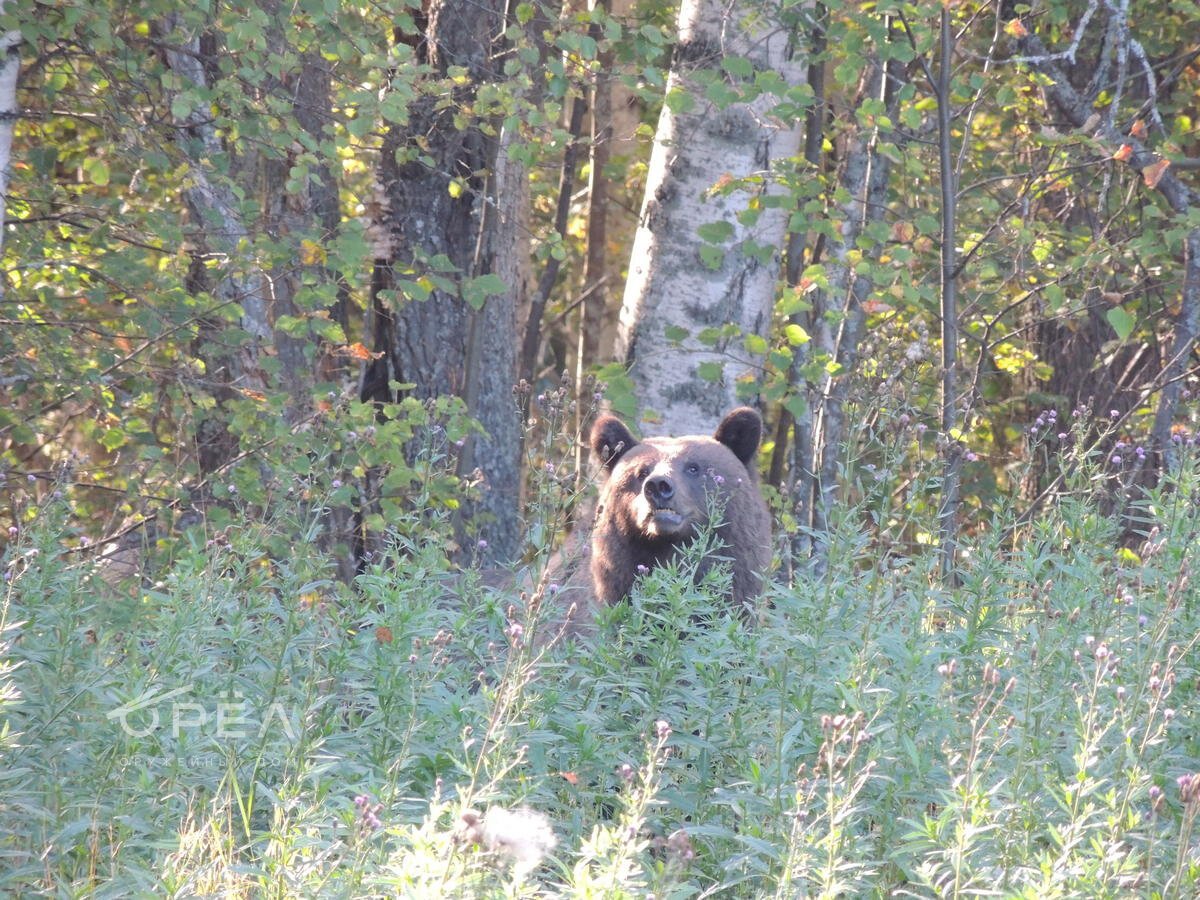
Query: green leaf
[715, 232]
[476, 290]
[679, 101]
[1121, 321]
[796, 405]
[97, 170]
[796, 335]
[181, 106]
[113, 438]
[755, 344]
[709, 371]
[675, 333]
[738, 66]
[712, 257]
[721, 94]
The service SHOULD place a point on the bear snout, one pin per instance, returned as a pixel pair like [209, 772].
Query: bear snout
[659, 491]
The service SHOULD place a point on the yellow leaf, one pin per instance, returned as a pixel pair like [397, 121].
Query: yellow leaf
[311, 253]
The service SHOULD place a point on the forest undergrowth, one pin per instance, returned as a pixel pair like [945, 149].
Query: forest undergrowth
[237, 724]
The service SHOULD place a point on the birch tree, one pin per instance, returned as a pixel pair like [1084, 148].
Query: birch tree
[707, 248]
[10, 68]
[220, 239]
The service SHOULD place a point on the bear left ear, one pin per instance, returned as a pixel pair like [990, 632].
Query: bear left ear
[741, 431]
[610, 440]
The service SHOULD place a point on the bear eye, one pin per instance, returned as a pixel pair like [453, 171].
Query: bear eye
[692, 469]
[643, 473]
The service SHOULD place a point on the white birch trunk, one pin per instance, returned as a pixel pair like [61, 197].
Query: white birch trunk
[212, 202]
[669, 286]
[10, 67]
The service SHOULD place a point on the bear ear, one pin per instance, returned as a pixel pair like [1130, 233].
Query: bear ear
[611, 440]
[741, 431]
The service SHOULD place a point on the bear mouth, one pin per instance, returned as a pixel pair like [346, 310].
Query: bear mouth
[666, 519]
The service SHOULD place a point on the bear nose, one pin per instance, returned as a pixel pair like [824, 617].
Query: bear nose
[659, 490]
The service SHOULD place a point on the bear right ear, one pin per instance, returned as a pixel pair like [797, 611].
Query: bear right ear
[741, 432]
[610, 440]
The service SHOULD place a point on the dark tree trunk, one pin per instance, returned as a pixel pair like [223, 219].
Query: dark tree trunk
[439, 343]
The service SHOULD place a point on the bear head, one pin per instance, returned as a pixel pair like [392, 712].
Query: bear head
[658, 493]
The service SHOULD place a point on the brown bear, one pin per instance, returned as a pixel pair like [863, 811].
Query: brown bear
[655, 496]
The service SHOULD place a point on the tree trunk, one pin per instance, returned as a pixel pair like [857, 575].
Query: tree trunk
[596, 260]
[698, 148]
[865, 179]
[10, 68]
[455, 192]
[219, 234]
[293, 218]
[952, 446]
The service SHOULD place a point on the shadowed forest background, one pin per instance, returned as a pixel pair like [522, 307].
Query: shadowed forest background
[306, 310]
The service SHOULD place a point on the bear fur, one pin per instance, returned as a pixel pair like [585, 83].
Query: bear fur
[654, 498]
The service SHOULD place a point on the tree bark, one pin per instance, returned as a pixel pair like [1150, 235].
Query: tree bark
[595, 277]
[219, 234]
[10, 68]
[455, 192]
[669, 286]
[865, 178]
[952, 446]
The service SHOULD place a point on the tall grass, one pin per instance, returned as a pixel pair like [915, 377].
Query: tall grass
[1030, 733]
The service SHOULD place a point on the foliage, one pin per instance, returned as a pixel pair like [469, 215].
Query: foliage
[111, 310]
[407, 728]
[241, 725]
